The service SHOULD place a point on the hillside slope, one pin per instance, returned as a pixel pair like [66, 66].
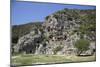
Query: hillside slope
[23, 29]
[59, 34]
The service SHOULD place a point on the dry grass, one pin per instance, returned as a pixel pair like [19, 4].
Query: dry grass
[45, 59]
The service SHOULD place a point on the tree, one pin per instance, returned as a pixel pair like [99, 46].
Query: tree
[82, 45]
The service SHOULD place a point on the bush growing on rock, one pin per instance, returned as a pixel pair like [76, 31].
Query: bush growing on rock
[82, 45]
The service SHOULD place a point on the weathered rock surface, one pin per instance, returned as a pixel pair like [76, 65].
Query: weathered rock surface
[59, 37]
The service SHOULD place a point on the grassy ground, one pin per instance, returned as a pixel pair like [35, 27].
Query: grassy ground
[45, 59]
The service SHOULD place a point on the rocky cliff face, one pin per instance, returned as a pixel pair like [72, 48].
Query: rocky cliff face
[57, 35]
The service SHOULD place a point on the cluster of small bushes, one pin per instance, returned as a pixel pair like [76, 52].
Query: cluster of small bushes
[82, 45]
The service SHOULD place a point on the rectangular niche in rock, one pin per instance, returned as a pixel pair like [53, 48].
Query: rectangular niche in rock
[50, 33]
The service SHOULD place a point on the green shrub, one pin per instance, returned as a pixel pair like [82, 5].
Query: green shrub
[47, 17]
[82, 45]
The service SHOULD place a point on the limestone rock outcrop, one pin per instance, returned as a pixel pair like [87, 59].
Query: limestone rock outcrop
[60, 32]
